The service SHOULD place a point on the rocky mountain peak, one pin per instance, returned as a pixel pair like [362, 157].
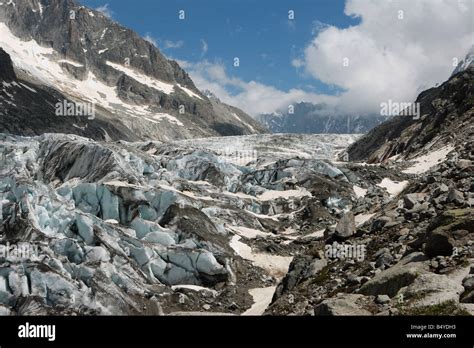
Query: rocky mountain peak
[466, 62]
[87, 56]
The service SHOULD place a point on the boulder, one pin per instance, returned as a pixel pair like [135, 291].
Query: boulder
[455, 196]
[464, 163]
[298, 269]
[382, 299]
[383, 258]
[380, 222]
[451, 229]
[315, 267]
[411, 199]
[468, 282]
[439, 243]
[342, 304]
[346, 226]
[431, 289]
[390, 281]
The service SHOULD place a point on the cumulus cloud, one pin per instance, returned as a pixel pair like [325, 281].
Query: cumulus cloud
[105, 10]
[253, 97]
[400, 48]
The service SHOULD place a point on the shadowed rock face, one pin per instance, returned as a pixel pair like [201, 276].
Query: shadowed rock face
[6, 67]
[91, 47]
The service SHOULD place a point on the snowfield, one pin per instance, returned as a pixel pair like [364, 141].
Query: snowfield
[426, 162]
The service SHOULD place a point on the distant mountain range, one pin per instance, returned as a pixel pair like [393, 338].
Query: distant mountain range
[313, 119]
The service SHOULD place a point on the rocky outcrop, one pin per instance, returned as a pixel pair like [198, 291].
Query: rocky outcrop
[342, 304]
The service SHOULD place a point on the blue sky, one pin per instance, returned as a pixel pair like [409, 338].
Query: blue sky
[259, 33]
[396, 48]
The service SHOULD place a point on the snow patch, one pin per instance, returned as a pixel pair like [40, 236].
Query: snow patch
[249, 233]
[275, 265]
[359, 191]
[394, 188]
[144, 79]
[272, 194]
[70, 62]
[362, 218]
[157, 118]
[189, 92]
[262, 297]
[426, 162]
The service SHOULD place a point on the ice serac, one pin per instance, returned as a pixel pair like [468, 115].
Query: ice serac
[116, 227]
[78, 53]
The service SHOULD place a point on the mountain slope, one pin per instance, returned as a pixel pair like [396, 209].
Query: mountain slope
[446, 119]
[29, 109]
[88, 57]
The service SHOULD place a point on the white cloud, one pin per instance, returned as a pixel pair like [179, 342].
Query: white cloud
[204, 47]
[148, 37]
[252, 97]
[173, 44]
[297, 62]
[317, 26]
[389, 57]
[105, 10]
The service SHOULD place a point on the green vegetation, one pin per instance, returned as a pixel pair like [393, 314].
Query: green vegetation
[443, 308]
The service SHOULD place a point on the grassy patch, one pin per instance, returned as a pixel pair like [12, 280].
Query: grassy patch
[322, 277]
[444, 308]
